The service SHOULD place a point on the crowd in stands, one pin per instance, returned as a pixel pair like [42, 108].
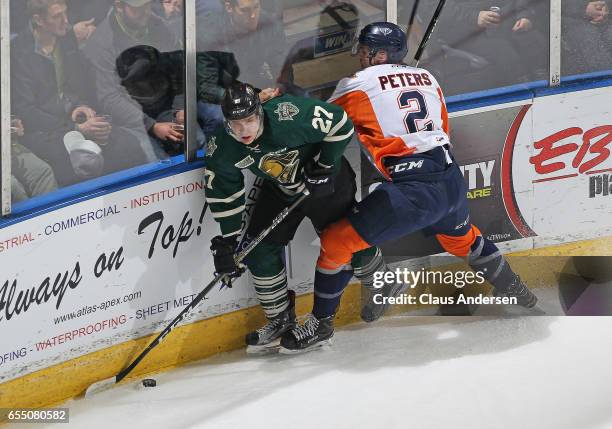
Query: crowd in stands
[98, 85]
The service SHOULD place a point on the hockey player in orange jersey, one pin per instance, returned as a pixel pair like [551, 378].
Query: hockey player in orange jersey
[401, 119]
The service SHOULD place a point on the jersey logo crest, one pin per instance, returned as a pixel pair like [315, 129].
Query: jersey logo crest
[281, 166]
[286, 111]
[211, 146]
[245, 162]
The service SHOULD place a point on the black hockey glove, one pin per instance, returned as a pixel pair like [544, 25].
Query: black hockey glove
[318, 180]
[223, 249]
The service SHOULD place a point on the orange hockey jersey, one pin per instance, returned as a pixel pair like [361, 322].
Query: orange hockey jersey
[397, 110]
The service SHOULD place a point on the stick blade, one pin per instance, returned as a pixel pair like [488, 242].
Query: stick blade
[100, 386]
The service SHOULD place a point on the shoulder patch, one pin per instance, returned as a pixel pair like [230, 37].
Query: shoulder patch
[286, 111]
[211, 146]
[245, 162]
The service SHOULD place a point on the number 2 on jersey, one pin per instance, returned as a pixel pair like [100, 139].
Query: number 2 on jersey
[416, 118]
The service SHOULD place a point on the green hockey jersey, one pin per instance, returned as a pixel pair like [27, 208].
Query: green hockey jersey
[296, 130]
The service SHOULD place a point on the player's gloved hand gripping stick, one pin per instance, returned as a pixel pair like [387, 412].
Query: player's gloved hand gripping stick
[223, 249]
[104, 384]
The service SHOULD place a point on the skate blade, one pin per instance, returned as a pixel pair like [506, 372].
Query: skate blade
[325, 344]
[264, 349]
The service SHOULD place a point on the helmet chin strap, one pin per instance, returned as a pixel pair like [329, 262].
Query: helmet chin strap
[261, 127]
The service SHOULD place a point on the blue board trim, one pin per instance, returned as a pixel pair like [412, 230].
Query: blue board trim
[491, 97]
[97, 187]
[528, 91]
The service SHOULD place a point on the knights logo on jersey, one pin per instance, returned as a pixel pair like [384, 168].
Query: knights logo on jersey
[211, 146]
[286, 111]
[281, 166]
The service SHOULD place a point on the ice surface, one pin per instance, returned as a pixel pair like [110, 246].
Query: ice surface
[402, 372]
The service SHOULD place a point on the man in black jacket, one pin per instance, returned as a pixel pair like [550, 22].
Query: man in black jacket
[50, 81]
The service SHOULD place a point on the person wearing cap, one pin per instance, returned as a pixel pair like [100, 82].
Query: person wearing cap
[131, 24]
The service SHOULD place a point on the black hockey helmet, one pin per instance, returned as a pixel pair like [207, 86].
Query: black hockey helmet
[383, 35]
[241, 100]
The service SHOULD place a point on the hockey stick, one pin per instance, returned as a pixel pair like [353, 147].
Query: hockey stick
[105, 384]
[428, 32]
[412, 16]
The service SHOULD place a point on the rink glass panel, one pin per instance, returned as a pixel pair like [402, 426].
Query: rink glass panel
[99, 105]
[300, 46]
[480, 47]
[586, 39]
[311, 42]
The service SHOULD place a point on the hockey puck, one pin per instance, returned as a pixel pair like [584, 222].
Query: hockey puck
[149, 382]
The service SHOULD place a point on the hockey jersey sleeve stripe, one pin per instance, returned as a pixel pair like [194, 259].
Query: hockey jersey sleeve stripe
[230, 234]
[339, 138]
[229, 199]
[338, 126]
[227, 213]
[295, 185]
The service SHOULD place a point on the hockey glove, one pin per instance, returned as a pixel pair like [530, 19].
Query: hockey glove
[223, 249]
[319, 180]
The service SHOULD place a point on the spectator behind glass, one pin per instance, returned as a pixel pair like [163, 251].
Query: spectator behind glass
[171, 12]
[50, 87]
[132, 32]
[241, 42]
[587, 36]
[30, 176]
[499, 39]
[85, 15]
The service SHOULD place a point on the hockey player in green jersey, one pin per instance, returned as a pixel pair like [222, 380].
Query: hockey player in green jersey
[294, 144]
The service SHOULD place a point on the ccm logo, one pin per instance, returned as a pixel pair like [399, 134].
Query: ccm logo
[404, 166]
